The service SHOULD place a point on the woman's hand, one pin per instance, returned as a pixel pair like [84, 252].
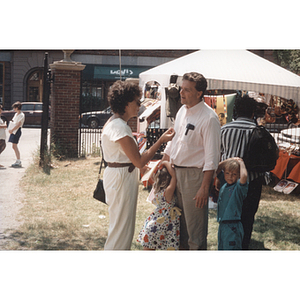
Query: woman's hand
[132, 152]
[168, 135]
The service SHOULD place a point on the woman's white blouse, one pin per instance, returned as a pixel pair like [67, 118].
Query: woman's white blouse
[112, 132]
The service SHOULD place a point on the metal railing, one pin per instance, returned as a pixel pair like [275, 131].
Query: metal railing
[89, 141]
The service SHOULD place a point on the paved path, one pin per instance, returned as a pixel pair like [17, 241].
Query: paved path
[10, 194]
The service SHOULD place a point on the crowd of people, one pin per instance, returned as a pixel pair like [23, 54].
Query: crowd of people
[197, 149]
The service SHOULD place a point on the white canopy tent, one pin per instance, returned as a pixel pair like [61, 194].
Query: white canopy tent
[228, 70]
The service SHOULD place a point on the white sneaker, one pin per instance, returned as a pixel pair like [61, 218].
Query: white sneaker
[17, 164]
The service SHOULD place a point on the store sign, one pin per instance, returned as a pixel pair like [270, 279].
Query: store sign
[125, 72]
[113, 72]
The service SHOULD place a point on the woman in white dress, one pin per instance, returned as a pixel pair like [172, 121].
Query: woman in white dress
[120, 151]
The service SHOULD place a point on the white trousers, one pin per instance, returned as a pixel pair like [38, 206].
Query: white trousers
[121, 189]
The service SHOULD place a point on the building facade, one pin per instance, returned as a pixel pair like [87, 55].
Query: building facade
[21, 71]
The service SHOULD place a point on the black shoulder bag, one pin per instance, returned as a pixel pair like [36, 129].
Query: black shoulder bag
[99, 193]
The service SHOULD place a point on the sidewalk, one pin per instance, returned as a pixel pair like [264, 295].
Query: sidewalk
[10, 195]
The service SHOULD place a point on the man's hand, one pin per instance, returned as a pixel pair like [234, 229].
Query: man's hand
[201, 197]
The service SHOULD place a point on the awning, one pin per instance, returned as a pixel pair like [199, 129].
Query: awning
[233, 70]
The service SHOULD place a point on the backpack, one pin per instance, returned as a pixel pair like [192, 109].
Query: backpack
[261, 152]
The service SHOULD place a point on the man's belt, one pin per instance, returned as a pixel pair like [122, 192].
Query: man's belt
[181, 167]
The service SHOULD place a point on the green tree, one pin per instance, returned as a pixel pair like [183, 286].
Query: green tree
[289, 59]
[295, 61]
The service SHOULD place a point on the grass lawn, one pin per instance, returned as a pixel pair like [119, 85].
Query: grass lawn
[59, 213]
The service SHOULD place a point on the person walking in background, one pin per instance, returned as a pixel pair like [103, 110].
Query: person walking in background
[234, 139]
[161, 230]
[232, 175]
[15, 126]
[195, 153]
[121, 153]
[3, 126]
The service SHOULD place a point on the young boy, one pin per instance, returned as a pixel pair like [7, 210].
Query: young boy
[2, 133]
[232, 175]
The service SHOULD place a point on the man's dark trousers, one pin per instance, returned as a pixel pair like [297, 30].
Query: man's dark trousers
[250, 206]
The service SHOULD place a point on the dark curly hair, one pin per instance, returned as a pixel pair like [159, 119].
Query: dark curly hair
[244, 106]
[201, 83]
[121, 93]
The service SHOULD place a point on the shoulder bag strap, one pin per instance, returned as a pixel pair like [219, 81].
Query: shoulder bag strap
[102, 160]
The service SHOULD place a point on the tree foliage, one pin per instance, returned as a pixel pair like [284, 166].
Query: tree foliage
[289, 59]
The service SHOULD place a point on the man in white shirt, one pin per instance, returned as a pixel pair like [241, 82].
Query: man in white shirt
[195, 154]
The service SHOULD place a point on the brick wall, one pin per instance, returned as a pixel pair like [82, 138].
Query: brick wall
[65, 102]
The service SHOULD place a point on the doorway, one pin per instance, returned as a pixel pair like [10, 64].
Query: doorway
[35, 86]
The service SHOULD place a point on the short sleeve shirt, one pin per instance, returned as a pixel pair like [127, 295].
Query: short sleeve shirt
[230, 200]
[112, 132]
[18, 118]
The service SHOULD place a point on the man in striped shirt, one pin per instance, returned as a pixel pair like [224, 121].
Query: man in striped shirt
[234, 139]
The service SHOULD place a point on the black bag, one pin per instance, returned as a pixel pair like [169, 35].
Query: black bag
[262, 151]
[99, 193]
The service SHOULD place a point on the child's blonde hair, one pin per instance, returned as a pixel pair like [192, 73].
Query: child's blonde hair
[161, 179]
[232, 165]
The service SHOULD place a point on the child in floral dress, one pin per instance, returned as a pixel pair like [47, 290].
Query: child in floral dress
[161, 229]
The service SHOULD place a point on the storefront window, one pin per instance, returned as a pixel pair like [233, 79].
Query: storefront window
[93, 97]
